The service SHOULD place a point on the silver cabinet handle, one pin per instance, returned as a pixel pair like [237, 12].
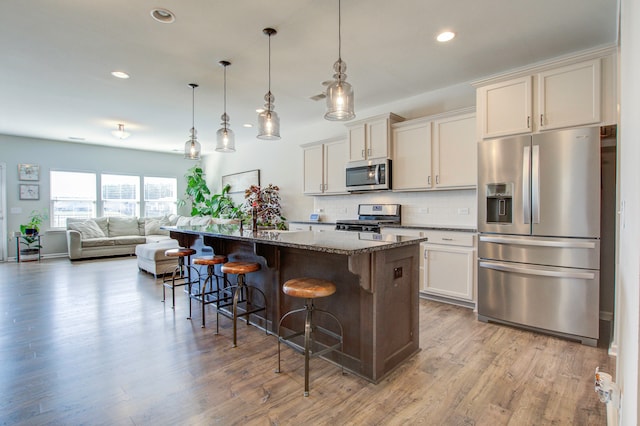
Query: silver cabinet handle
[528, 122]
[535, 184]
[541, 120]
[437, 179]
[362, 153]
[429, 180]
[538, 243]
[447, 239]
[539, 272]
[526, 172]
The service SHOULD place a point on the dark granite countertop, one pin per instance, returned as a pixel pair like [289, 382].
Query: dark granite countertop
[336, 242]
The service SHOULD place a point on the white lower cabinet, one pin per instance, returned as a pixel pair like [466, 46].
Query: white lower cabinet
[296, 226]
[448, 267]
[305, 226]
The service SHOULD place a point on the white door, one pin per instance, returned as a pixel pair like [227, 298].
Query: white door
[3, 208]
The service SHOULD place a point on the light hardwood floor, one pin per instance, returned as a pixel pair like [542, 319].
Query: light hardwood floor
[90, 343]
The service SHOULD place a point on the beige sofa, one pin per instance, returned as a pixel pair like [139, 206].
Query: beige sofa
[114, 236]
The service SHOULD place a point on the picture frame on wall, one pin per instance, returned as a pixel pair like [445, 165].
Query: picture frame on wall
[28, 172]
[239, 182]
[29, 191]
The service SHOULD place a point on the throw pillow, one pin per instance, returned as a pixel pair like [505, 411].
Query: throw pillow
[200, 220]
[183, 221]
[123, 226]
[152, 226]
[88, 229]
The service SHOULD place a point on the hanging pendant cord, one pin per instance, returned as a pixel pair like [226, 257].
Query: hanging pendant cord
[269, 102]
[225, 98]
[193, 107]
[339, 33]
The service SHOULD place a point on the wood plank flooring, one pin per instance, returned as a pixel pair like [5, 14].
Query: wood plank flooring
[90, 343]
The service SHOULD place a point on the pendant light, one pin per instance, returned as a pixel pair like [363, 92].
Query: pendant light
[339, 92]
[226, 140]
[192, 146]
[268, 120]
[120, 133]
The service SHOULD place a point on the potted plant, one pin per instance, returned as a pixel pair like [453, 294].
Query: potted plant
[265, 202]
[222, 206]
[197, 192]
[29, 240]
[35, 220]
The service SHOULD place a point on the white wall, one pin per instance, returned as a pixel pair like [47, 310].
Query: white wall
[57, 155]
[280, 163]
[628, 283]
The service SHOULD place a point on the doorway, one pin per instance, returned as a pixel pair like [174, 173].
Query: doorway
[3, 210]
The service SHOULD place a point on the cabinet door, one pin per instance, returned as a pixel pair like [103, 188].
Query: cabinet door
[411, 165]
[293, 226]
[323, 227]
[448, 271]
[335, 158]
[505, 108]
[313, 179]
[357, 142]
[454, 152]
[378, 139]
[569, 96]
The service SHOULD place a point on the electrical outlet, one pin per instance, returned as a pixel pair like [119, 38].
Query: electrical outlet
[397, 273]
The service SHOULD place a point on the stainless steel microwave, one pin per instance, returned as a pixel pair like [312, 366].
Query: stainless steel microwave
[369, 175]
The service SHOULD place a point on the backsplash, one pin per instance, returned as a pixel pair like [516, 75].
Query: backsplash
[434, 208]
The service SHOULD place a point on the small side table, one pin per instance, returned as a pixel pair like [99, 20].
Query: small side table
[39, 241]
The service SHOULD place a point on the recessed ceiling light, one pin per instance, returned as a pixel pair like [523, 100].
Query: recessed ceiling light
[247, 125]
[120, 74]
[445, 36]
[163, 15]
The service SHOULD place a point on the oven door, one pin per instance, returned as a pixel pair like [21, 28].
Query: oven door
[368, 175]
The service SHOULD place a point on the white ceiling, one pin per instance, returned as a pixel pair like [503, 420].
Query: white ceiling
[57, 56]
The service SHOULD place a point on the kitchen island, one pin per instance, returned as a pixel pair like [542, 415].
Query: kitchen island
[376, 278]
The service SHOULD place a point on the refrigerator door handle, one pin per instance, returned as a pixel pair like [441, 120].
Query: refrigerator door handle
[526, 196]
[581, 275]
[535, 184]
[538, 243]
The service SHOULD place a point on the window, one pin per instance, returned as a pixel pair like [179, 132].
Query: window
[160, 196]
[73, 194]
[120, 195]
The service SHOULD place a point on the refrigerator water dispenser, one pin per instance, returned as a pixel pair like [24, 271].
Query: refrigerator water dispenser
[499, 202]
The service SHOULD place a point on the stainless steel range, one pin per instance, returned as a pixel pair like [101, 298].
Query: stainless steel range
[371, 217]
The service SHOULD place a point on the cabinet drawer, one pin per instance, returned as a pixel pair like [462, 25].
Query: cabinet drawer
[465, 239]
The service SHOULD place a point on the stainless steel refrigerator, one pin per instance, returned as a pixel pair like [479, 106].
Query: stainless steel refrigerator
[539, 224]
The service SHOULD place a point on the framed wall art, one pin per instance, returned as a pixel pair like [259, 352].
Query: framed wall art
[241, 181]
[29, 191]
[28, 172]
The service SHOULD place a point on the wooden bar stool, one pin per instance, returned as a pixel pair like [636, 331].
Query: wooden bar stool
[310, 289]
[181, 275]
[243, 293]
[212, 295]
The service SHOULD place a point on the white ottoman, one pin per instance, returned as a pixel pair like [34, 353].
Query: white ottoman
[151, 257]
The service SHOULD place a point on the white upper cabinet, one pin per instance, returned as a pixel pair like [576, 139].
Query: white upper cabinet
[454, 152]
[437, 152]
[569, 96]
[371, 138]
[566, 96]
[324, 165]
[411, 160]
[506, 107]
